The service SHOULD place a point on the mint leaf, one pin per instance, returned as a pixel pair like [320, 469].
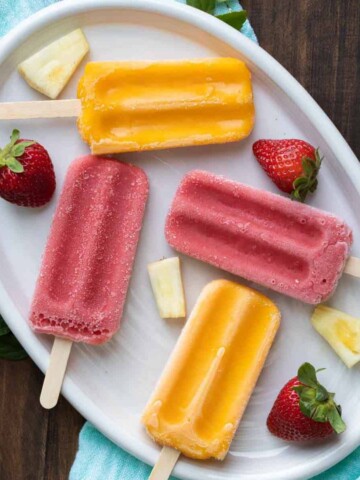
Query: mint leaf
[234, 19]
[14, 165]
[4, 329]
[10, 348]
[207, 6]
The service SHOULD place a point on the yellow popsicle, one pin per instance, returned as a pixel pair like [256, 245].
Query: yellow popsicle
[206, 385]
[140, 105]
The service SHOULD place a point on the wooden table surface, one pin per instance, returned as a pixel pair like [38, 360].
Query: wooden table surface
[318, 41]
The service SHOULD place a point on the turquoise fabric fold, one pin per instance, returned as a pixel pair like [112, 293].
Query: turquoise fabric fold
[98, 458]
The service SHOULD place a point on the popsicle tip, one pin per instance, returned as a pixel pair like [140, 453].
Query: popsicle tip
[47, 402]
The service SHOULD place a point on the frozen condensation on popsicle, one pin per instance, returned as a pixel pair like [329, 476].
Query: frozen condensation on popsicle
[90, 251]
[284, 245]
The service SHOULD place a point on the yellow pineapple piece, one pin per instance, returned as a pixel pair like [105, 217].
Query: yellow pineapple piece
[341, 331]
[166, 282]
[50, 69]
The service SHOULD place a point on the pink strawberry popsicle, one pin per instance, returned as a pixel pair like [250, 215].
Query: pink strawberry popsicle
[87, 264]
[284, 245]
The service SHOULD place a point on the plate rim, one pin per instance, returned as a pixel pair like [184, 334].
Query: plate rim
[292, 89]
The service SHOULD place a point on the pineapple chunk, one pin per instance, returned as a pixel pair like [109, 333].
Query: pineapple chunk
[166, 282]
[341, 330]
[50, 69]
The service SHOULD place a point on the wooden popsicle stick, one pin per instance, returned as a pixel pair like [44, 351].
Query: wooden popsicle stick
[353, 267]
[55, 373]
[41, 109]
[165, 464]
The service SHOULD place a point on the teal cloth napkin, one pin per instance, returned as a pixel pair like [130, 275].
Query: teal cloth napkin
[98, 458]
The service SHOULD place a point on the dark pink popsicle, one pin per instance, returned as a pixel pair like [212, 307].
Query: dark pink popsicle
[87, 264]
[284, 245]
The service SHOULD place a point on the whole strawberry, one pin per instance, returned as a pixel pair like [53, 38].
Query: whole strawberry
[292, 165]
[27, 175]
[304, 409]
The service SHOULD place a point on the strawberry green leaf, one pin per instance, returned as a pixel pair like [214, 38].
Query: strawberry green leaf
[320, 413]
[307, 165]
[334, 417]
[13, 139]
[307, 182]
[234, 19]
[19, 148]
[8, 148]
[307, 393]
[306, 409]
[15, 135]
[321, 393]
[299, 181]
[307, 375]
[9, 154]
[14, 165]
[204, 5]
[315, 401]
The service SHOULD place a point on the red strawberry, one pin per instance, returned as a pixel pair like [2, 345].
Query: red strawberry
[27, 175]
[292, 165]
[304, 409]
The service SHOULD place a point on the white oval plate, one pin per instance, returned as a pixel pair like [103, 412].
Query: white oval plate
[110, 385]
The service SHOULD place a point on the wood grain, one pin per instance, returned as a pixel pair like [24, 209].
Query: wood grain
[35, 444]
[318, 41]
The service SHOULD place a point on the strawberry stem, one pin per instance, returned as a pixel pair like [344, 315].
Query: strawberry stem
[14, 149]
[307, 182]
[315, 401]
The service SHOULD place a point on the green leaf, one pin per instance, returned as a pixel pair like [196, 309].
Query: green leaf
[14, 165]
[234, 19]
[336, 421]
[19, 148]
[321, 413]
[308, 394]
[4, 329]
[12, 150]
[10, 348]
[204, 5]
[307, 375]
[299, 181]
[306, 408]
[321, 393]
[15, 135]
[308, 166]
[315, 401]
[13, 139]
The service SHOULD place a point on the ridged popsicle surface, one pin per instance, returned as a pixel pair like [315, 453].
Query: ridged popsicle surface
[87, 264]
[206, 385]
[266, 238]
[134, 106]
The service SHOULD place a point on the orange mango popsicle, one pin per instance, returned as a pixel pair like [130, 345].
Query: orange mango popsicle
[202, 394]
[141, 105]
